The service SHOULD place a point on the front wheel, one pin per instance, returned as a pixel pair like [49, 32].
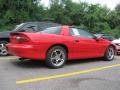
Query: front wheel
[109, 54]
[56, 57]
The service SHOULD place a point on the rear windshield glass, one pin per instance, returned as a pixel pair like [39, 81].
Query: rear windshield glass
[18, 26]
[52, 30]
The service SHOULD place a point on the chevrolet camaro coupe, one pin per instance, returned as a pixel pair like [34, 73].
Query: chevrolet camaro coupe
[56, 45]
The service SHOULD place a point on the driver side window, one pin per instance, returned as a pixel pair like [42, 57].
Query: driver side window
[80, 33]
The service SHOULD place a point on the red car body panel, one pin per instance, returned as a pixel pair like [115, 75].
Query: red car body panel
[40, 43]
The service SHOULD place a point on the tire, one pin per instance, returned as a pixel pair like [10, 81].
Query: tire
[3, 48]
[109, 54]
[56, 57]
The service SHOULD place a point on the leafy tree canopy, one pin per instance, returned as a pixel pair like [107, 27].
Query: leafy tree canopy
[94, 18]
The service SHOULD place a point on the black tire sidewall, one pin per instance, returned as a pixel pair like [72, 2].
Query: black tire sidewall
[48, 60]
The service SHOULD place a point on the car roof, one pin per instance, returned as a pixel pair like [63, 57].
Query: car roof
[42, 22]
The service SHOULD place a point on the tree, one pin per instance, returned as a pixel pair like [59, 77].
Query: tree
[17, 11]
[117, 8]
[92, 17]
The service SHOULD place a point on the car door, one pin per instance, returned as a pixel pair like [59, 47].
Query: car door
[85, 44]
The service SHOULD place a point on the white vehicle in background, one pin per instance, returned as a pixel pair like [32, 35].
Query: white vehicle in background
[116, 42]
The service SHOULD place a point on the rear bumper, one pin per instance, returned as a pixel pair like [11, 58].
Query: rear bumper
[26, 51]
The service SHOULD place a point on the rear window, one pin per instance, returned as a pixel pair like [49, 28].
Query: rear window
[52, 30]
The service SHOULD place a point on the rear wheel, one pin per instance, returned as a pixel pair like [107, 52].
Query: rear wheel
[56, 57]
[109, 54]
[3, 48]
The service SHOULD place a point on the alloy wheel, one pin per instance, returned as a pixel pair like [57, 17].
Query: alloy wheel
[57, 57]
[3, 49]
[110, 53]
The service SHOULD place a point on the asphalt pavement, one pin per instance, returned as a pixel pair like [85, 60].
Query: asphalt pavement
[91, 74]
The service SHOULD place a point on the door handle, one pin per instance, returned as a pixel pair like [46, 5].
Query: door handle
[76, 40]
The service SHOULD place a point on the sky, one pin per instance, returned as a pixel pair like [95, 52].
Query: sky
[109, 3]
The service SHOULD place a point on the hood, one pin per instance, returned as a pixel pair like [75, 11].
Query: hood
[5, 34]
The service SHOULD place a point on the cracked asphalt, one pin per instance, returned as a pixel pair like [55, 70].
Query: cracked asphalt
[13, 70]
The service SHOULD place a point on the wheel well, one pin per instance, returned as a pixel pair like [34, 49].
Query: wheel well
[113, 47]
[109, 46]
[62, 45]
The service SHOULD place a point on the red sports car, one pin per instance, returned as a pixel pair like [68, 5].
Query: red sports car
[56, 45]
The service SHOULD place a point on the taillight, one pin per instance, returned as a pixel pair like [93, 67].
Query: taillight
[21, 39]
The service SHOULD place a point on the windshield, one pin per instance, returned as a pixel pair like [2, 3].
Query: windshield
[17, 27]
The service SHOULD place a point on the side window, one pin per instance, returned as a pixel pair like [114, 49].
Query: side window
[74, 32]
[80, 33]
[29, 28]
[52, 30]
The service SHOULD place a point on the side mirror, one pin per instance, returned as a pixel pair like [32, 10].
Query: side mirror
[96, 38]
